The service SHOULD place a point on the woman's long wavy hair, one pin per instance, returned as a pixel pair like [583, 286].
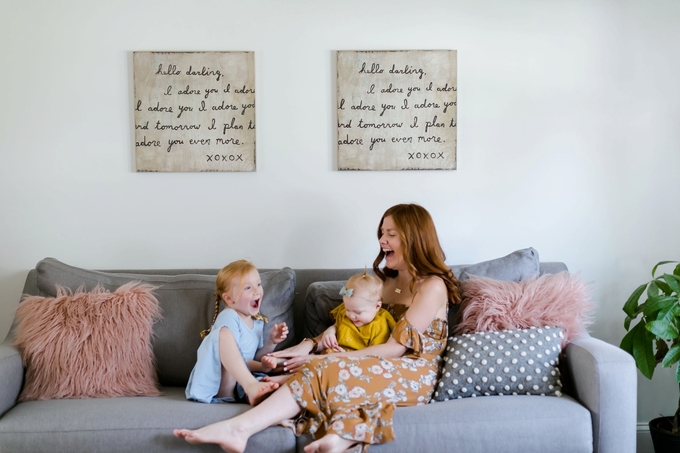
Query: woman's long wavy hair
[422, 252]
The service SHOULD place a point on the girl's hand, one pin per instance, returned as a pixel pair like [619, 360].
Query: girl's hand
[279, 333]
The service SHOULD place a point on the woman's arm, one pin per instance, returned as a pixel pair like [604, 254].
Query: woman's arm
[387, 350]
[428, 304]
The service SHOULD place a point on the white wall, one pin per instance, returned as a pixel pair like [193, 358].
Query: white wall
[568, 141]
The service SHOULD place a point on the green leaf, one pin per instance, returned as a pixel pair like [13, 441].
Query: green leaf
[652, 289]
[663, 329]
[664, 287]
[676, 271]
[661, 351]
[677, 374]
[630, 307]
[660, 263]
[626, 322]
[673, 315]
[643, 351]
[628, 340]
[673, 281]
[656, 304]
[672, 356]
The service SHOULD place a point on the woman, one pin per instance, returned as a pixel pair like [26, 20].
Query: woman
[360, 389]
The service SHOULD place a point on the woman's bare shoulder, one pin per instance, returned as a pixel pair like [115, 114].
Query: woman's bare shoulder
[433, 283]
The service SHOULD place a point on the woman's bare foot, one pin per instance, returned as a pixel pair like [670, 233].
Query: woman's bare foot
[221, 433]
[330, 443]
[279, 379]
[258, 391]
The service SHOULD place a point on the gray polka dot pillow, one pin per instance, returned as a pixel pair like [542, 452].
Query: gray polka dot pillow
[508, 362]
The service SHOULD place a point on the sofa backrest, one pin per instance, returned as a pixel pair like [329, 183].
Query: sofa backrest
[187, 301]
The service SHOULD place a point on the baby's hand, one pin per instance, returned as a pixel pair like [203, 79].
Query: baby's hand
[279, 333]
[328, 340]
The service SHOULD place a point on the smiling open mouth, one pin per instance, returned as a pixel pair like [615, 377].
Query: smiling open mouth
[255, 304]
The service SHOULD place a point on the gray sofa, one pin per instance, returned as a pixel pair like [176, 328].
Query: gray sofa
[596, 415]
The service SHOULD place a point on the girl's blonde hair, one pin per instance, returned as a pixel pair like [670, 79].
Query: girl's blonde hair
[224, 283]
[372, 284]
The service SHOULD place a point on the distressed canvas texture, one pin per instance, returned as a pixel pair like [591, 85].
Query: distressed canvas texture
[397, 110]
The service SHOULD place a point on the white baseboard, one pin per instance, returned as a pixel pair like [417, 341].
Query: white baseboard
[644, 439]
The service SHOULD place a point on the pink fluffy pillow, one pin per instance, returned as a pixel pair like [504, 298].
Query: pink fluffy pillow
[560, 300]
[88, 345]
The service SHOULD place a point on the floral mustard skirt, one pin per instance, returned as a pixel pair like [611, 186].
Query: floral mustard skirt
[355, 397]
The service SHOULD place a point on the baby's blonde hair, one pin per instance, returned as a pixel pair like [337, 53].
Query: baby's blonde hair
[224, 283]
[370, 283]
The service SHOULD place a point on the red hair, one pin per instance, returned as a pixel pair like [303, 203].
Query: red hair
[421, 249]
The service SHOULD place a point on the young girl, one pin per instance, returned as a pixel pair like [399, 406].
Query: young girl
[360, 321]
[219, 375]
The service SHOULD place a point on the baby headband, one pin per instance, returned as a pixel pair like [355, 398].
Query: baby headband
[348, 292]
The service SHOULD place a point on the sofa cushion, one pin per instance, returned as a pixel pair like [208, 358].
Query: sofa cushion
[550, 300]
[322, 297]
[518, 265]
[88, 344]
[187, 302]
[127, 424]
[509, 362]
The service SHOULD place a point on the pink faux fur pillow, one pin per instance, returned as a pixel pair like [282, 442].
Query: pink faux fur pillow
[560, 300]
[88, 345]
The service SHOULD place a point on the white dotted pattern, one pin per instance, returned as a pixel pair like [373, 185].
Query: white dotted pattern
[509, 362]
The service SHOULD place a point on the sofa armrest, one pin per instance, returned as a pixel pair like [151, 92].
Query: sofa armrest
[11, 376]
[604, 379]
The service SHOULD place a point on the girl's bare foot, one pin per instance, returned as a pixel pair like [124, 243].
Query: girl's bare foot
[330, 443]
[221, 433]
[258, 391]
[272, 362]
[279, 379]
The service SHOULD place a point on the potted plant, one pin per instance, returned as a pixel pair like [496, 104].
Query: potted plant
[655, 339]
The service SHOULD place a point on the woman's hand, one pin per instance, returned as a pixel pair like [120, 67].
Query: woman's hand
[293, 364]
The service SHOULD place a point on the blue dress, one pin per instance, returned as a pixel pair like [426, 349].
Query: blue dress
[204, 381]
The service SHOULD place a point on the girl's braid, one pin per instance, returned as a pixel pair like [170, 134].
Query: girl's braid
[205, 332]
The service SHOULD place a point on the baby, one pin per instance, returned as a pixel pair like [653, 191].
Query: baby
[360, 321]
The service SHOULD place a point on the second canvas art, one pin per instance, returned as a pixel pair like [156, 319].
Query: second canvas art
[397, 110]
[195, 111]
